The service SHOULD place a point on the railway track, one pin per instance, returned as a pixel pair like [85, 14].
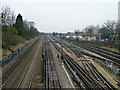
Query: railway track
[91, 81]
[101, 52]
[15, 77]
[90, 70]
[112, 57]
[51, 76]
[8, 72]
[116, 55]
[96, 45]
[27, 81]
[35, 73]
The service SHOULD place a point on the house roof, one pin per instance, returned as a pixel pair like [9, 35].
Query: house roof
[91, 35]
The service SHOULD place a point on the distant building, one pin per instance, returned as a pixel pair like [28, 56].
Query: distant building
[31, 24]
[78, 35]
[91, 37]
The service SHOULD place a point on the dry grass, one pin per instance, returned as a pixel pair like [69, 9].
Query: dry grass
[5, 52]
[113, 49]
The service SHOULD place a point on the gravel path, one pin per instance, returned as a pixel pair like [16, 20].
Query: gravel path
[65, 83]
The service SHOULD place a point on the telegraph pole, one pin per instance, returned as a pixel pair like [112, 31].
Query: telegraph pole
[119, 25]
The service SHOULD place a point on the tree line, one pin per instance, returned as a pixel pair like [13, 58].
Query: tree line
[109, 30]
[15, 30]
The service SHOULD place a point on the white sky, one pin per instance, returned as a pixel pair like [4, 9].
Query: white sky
[64, 15]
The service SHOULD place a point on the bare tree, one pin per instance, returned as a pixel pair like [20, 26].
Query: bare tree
[7, 15]
[90, 29]
[118, 30]
[111, 26]
[97, 29]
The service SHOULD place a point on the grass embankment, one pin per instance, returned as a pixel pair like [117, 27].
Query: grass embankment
[109, 48]
[7, 52]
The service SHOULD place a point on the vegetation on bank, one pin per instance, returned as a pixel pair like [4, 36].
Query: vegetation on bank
[110, 48]
[15, 31]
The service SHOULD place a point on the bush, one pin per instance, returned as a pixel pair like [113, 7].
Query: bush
[10, 37]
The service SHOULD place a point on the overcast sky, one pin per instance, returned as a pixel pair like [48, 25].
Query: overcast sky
[64, 15]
